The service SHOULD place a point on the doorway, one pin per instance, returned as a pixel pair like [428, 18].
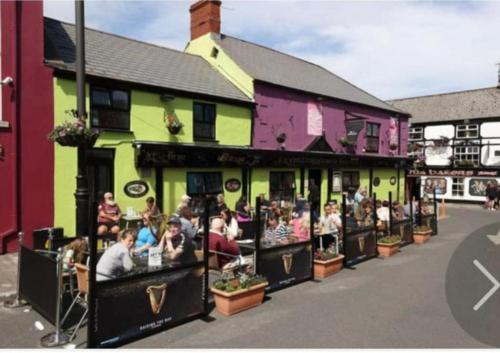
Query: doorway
[100, 162]
[314, 188]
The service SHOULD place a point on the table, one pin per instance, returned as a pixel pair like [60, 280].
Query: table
[128, 219]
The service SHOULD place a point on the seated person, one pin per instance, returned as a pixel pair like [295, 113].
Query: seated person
[243, 210]
[221, 242]
[189, 224]
[75, 252]
[116, 260]
[146, 238]
[177, 245]
[329, 222]
[151, 210]
[368, 220]
[109, 214]
[276, 231]
[274, 209]
[301, 226]
[360, 211]
[230, 223]
[300, 204]
[350, 220]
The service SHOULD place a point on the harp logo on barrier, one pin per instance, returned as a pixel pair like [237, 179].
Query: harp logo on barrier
[361, 243]
[157, 296]
[287, 262]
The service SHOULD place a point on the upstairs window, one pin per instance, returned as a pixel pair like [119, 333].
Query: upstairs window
[109, 108]
[467, 156]
[282, 186]
[467, 131]
[372, 137]
[416, 134]
[204, 121]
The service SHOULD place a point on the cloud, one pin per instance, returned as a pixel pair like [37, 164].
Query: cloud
[390, 49]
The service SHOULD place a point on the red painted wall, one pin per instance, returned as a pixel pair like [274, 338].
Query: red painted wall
[27, 168]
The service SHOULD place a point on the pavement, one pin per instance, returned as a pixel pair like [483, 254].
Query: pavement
[398, 302]
[8, 275]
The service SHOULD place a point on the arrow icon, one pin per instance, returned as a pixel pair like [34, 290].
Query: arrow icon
[495, 239]
[493, 289]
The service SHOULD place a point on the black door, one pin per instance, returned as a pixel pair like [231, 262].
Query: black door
[314, 196]
[100, 172]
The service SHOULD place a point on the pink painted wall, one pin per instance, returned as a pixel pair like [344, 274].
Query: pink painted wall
[27, 167]
[285, 110]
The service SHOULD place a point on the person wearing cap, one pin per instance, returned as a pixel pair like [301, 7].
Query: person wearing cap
[177, 245]
[185, 199]
[109, 214]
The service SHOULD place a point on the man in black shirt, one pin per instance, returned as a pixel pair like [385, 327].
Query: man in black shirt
[176, 244]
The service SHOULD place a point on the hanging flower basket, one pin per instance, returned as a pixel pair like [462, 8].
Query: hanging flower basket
[393, 146]
[74, 134]
[343, 141]
[174, 126]
[281, 138]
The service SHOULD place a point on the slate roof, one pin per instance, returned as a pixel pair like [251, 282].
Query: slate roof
[269, 65]
[115, 57]
[472, 104]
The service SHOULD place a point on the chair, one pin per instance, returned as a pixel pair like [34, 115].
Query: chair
[82, 278]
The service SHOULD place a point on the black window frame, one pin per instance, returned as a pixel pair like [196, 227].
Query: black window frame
[110, 109]
[204, 191]
[282, 193]
[197, 136]
[350, 187]
[371, 137]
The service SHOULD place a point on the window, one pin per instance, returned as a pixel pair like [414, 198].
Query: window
[467, 156]
[416, 134]
[350, 181]
[467, 131]
[457, 187]
[109, 108]
[282, 186]
[204, 183]
[372, 132]
[204, 121]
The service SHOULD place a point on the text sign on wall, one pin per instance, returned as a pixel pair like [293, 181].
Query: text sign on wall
[314, 119]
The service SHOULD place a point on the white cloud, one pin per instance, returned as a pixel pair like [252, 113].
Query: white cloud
[390, 49]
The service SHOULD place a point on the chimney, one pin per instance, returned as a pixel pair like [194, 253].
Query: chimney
[205, 18]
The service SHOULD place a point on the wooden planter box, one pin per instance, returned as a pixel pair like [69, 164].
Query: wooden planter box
[243, 299]
[323, 269]
[389, 249]
[422, 237]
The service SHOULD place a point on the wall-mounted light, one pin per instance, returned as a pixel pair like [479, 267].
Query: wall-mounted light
[8, 81]
[166, 98]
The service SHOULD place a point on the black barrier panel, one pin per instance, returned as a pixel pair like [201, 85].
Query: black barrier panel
[41, 237]
[38, 282]
[129, 309]
[286, 265]
[249, 229]
[430, 221]
[404, 229]
[360, 245]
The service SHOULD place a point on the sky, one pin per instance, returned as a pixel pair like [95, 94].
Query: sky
[392, 49]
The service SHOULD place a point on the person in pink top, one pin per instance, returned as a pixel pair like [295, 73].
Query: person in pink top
[109, 213]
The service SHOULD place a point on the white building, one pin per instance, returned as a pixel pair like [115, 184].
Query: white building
[455, 140]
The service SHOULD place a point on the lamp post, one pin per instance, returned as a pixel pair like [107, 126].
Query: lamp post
[82, 188]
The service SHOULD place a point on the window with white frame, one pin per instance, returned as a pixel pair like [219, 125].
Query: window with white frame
[457, 187]
[467, 131]
[467, 155]
[416, 134]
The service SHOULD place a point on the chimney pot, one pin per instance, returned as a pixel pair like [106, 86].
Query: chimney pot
[205, 18]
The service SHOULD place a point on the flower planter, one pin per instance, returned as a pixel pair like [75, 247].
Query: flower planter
[174, 129]
[323, 269]
[76, 140]
[421, 237]
[229, 303]
[388, 249]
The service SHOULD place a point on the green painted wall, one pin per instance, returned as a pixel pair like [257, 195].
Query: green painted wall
[175, 185]
[385, 186]
[146, 118]
[204, 45]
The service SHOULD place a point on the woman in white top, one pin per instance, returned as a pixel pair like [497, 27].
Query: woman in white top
[383, 212]
[230, 223]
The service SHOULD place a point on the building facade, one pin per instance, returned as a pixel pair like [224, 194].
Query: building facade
[454, 140]
[300, 106]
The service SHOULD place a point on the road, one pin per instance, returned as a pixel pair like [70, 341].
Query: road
[398, 302]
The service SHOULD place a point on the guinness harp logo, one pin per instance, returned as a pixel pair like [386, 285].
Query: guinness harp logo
[287, 262]
[157, 296]
[361, 243]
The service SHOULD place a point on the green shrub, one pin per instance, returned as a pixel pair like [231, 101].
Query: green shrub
[389, 239]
